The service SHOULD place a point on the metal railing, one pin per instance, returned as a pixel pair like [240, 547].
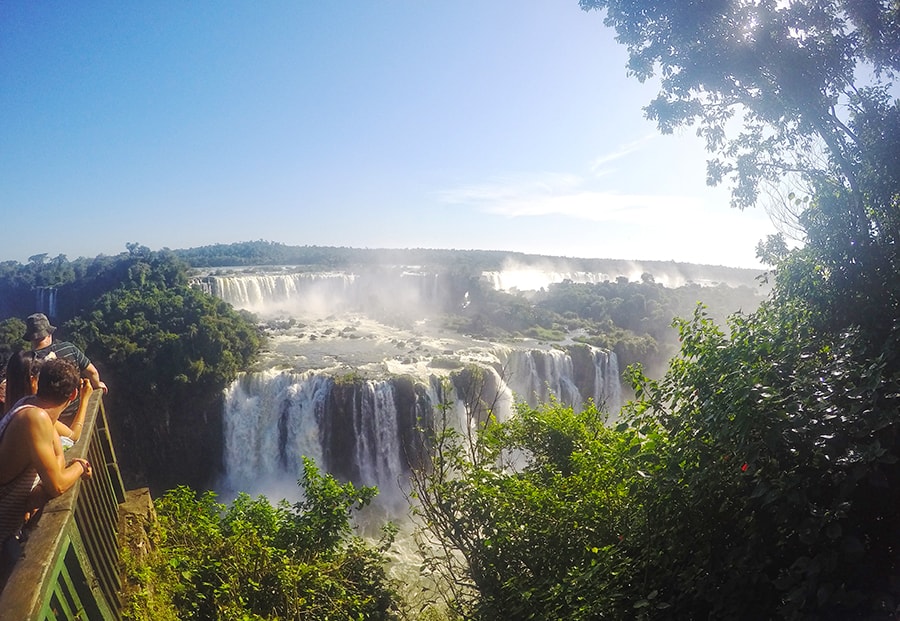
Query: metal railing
[69, 567]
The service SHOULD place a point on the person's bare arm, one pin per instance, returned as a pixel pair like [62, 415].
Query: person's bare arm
[56, 477]
[64, 430]
[92, 374]
[73, 430]
[39, 496]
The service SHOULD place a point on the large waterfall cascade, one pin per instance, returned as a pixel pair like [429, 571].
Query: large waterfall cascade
[367, 428]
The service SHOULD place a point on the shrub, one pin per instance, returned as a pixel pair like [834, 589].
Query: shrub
[256, 560]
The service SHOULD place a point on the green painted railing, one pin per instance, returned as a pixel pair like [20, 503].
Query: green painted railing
[69, 567]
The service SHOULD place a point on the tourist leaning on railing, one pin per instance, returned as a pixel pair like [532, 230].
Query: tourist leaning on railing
[32, 464]
[22, 371]
[39, 331]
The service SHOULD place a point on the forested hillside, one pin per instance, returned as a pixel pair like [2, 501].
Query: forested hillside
[257, 253]
[635, 319]
[165, 350]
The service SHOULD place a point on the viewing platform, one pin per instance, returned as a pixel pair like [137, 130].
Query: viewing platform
[69, 563]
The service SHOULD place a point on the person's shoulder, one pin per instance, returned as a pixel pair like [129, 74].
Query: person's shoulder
[32, 414]
[65, 349]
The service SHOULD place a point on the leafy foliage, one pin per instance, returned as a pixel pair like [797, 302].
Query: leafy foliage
[11, 332]
[780, 442]
[153, 320]
[166, 351]
[748, 483]
[758, 472]
[525, 519]
[255, 560]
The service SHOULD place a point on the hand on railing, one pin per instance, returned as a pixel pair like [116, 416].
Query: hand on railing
[85, 465]
[39, 497]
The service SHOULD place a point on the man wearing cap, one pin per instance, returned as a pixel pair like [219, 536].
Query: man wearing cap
[39, 331]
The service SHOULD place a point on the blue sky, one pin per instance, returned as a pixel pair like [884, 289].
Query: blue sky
[468, 124]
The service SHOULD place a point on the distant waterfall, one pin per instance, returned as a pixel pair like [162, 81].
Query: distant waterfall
[45, 301]
[307, 292]
[325, 293]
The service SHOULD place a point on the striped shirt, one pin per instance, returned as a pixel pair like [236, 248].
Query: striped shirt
[68, 351]
[14, 493]
[63, 349]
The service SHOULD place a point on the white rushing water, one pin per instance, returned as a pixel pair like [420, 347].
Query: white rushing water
[366, 427]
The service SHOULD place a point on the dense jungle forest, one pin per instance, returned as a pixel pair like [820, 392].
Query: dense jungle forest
[757, 478]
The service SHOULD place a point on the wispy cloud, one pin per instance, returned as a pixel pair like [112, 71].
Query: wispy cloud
[599, 163]
[554, 194]
[596, 206]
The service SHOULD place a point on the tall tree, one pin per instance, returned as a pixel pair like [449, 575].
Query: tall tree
[777, 89]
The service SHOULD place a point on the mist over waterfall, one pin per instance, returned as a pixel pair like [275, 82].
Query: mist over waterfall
[311, 294]
[357, 393]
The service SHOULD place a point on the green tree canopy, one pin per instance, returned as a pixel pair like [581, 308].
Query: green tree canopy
[166, 351]
[255, 560]
[801, 83]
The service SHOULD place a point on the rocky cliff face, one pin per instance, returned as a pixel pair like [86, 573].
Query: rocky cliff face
[164, 448]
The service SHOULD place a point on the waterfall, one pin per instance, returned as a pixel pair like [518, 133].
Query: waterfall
[368, 431]
[312, 293]
[361, 433]
[477, 395]
[378, 452]
[45, 301]
[360, 391]
[608, 385]
[272, 419]
[535, 376]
